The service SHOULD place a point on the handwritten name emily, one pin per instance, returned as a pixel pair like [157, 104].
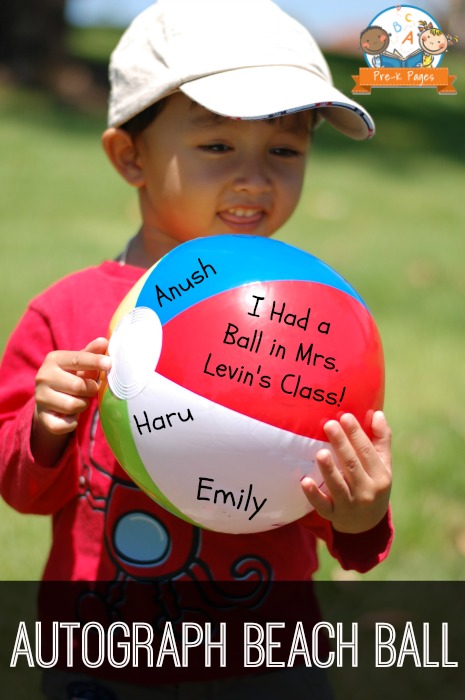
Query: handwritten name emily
[237, 500]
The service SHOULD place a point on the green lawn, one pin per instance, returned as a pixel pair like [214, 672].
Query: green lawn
[387, 214]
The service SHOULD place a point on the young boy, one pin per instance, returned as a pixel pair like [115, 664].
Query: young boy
[212, 110]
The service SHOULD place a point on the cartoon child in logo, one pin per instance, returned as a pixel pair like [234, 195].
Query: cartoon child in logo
[433, 42]
[404, 36]
[374, 41]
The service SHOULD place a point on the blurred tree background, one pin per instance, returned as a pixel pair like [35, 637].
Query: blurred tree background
[38, 50]
[33, 40]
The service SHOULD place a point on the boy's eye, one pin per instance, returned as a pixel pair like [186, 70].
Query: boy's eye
[215, 148]
[285, 152]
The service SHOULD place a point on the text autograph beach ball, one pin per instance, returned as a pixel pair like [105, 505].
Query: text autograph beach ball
[228, 357]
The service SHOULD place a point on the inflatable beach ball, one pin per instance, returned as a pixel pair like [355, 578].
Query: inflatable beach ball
[228, 357]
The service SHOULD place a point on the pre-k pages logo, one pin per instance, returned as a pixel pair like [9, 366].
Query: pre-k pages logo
[403, 47]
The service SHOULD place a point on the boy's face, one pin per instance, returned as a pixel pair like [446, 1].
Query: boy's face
[204, 175]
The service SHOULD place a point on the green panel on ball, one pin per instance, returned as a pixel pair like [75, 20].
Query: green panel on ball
[115, 422]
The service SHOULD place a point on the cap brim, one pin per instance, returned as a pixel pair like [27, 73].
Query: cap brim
[264, 92]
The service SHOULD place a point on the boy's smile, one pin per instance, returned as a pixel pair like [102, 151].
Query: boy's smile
[202, 174]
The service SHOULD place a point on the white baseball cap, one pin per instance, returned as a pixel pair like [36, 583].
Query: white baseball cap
[245, 59]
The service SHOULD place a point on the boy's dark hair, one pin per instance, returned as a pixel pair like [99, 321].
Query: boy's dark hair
[141, 121]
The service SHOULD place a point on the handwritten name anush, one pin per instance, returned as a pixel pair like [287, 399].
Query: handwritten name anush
[177, 290]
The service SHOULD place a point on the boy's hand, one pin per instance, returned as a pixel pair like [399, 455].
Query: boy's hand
[357, 488]
[65, 384]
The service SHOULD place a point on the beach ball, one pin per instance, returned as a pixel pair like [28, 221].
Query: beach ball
[228, 357]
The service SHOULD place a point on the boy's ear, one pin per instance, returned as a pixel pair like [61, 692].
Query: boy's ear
[123, 154]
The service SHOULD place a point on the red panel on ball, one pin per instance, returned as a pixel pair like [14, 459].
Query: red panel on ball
[291, 354]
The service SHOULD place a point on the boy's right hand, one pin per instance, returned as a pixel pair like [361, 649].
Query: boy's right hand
[65, 384]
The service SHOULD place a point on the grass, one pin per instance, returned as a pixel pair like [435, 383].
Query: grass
[387, 214]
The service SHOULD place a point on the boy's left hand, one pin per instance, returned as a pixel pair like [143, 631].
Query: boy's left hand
[356, 493]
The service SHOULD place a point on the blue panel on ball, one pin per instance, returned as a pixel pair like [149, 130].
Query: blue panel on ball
[204, 267]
